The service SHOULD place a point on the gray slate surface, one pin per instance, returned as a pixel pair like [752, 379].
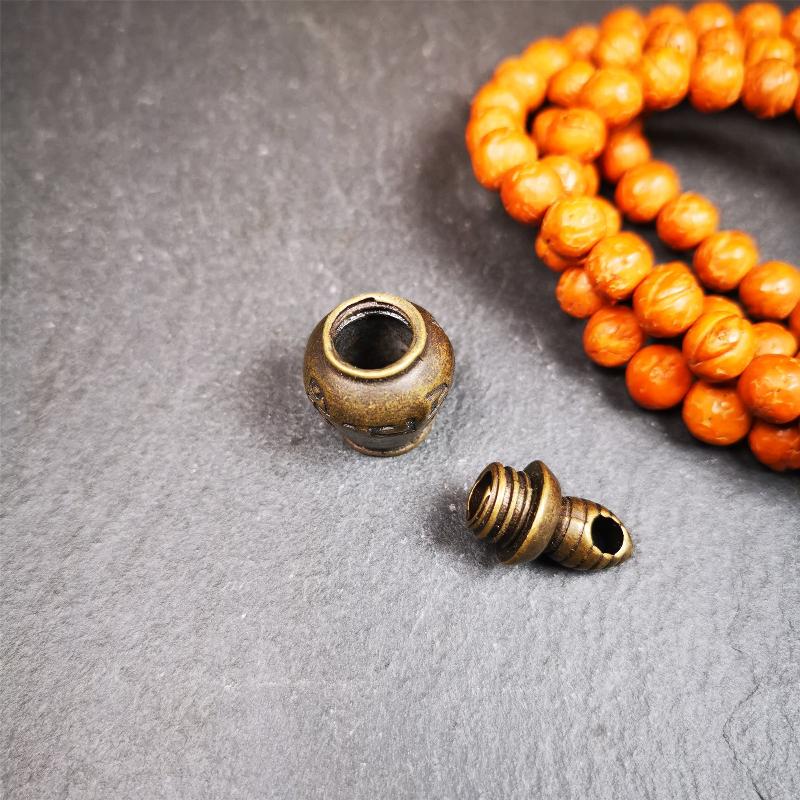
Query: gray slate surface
[205, 595]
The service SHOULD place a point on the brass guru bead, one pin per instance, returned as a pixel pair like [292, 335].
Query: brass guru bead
[525, 515]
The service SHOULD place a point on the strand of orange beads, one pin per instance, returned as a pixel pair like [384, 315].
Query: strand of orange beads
[736, 371]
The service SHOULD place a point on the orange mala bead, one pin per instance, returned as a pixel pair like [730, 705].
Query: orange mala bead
[775, 339]
[776, 446]
[547, 56]
[759, 19]
[770, 47]
[686, 220]
[771, 290]
[674, 35]
[719, 346]
[716, 81]
[611, 336]
[523, 80]
[791, 26]
[486, 121]
[715, 414]
[576, 294]
[566, 85]
[707, 16]
[494, 95]
[644, 190]
[574, 225]
[614, 93]
[625, 148]
[618, 263]
[727, 40]
[580, 41]
[770, 88]
[619, 47]
[541, 125]
[527, 191]
[668, 301]
[665, 74]
[498, 152]
[657, 377]
[724, 258]
[551, 259]
[770, 388]
[576, 132]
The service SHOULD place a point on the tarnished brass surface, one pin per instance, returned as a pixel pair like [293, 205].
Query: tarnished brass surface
[377, 368]
[525, 515]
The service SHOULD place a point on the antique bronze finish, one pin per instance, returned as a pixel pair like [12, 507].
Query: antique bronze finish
[525, 515]
[377, 368]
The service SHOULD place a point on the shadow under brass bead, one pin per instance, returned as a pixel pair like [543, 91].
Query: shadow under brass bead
[525, 515]
[377, 368]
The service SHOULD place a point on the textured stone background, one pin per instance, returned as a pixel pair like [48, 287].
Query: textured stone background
[205, 595]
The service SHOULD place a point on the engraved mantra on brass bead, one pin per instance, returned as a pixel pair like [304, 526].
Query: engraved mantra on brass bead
[525, 515]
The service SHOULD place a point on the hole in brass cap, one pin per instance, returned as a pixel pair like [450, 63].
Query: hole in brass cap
[478, 493]
[607, 535]
[371, 335]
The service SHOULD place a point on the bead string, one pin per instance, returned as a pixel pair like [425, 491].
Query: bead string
[734, 377]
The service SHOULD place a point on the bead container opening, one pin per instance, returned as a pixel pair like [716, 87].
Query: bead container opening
[607, 535]
[371, 335]
[478, 494]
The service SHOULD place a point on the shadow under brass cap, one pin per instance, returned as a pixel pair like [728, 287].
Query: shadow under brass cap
[377, 368]
[525, 515]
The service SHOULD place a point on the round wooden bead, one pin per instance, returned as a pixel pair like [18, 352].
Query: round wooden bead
[759, 19]
[686, 220]
[776, 446]
[657, 377]
[626, 19]
[527, 191]
[571, 172]
[574, 225]
[719, 346]
[576, 132]
[580, 41]
[771, 290]
[614, 93]
[619, 47]
[715, 414]
[770, 388]
[547, 56]
[674, 35]
[490, 119]
[770, 47]
[668, 301]
[625, 148]
[770, 88]
[493, 95]
[644, 190]
[714, 303]
[724, 258]
[498, 152]
[707, 16]
[618, 263]
[665, 74]
[526, 83]
[716, 81]
[576, 294]
[726, 40]
[611, 336]
[566, 85]
[774, 339]
[669, 12]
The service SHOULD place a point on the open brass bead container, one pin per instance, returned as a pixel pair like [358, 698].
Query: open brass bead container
[377, 368]
[525, 515]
